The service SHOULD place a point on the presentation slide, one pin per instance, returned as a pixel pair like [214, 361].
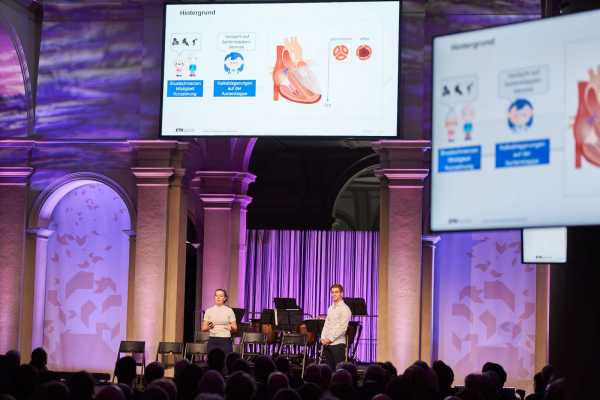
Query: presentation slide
[544, 245]
[516, 126]
[281, 69]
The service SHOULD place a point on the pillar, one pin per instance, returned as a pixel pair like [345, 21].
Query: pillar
[14, 187]
[427, 292]
[402, 171]
[224, 206]
[158, 268]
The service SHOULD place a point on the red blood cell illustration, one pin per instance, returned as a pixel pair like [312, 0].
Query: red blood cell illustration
[363, 52]
[340, 52]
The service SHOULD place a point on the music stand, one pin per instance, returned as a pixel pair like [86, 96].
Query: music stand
[239, 314]
[288, 320]
[357, 305]
[267, 316]
[315, 326]
[285, 303]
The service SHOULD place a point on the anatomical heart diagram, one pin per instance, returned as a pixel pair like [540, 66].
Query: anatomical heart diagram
[293, 78]
[586, 127]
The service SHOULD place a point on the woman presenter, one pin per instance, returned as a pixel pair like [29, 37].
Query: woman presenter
[219, 321]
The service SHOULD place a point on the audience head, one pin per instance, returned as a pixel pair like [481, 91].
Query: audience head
[263, 367]
[422, 380]
[212, 382]
[309, 391]
[312, 374]
[125, 370]
[276, 381]
[168, 386]
[498, 369]
[241, 365]
[153, 371]
[216, 359]
[445, 375]
[398, 388]
[282, 364]
[548, 374]
[187, 387]
[81, 385]
[155, 393]
[390, 369]
[556, 390]
[13, 358]
[111, 392]
[342, 377]
[377, 374]
[325, 376]
[127, 390]
[287, 394]
[54, 391]
[480, 384]
[344, 391]
[39, 358]
[240, 386]
[351, 368]
[230, 359]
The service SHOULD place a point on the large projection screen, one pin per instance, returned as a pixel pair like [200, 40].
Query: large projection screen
[325, 69]
[516, 126]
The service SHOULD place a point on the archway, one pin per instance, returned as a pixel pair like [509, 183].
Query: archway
[81, 272]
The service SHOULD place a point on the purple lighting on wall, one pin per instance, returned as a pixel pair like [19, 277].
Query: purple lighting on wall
[304, 264]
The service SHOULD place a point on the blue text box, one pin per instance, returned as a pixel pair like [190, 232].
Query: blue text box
[235, 88]
[459, 159]
[185, 88]
[523, 154]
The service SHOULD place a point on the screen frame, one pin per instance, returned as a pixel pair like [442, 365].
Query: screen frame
[545, 227]
[399, 97]
[432, 102]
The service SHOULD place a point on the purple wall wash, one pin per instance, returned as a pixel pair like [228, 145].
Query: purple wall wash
[99, 74]
[304, 264]
[86, 279]
[14, 105]
[485, 304]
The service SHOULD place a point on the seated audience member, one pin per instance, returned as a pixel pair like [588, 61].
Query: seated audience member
[422, 381]
[309, 391]
[187, 388]
[111, 392]
[398, 388]
[53, 391]
[168, 386]
[152, 372]
[287, 394]
[498, 383]
[263, 367]
[276, 381]
[325, 376]
[127, 391]
[343, 377]
[216, 360]
[344, 391]
[154, 393]
[230, 359]
[351, 368]
[240, 365]
[26, 381]
[480, 384]
[39, 359]
[312, 374]
[212, 382]
[445, 378]
[125, 371]
[240, 386]
[81, 385]
[556, 390]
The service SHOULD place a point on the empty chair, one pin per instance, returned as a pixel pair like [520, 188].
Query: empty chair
[169, 353]
[253, 344]
[196, 352]
[137, 350]
[295, 347]
[201, 337]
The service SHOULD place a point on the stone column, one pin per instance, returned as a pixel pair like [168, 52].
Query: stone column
[154, 294]
[427, 292]
[403, 169]
[224, 204]
[14, 187]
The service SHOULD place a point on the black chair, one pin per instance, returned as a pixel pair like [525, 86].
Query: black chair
[168, 350]
[253, 345]
[294, 346]
[136, 349]
[196, 352]
[201, 337]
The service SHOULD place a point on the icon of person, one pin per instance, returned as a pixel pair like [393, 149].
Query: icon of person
[192, 65]
[175, 42]
[234, 63]
[179, 64]
[184, 41]
[520, 115]
[450, 123]
[468, 114]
